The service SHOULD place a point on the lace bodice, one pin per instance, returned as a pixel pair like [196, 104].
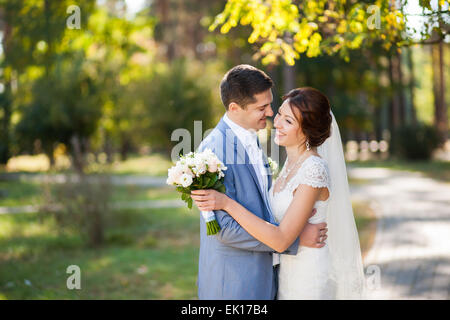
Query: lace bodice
[312, 172]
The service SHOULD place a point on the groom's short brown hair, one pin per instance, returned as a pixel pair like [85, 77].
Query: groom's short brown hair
[241, 83]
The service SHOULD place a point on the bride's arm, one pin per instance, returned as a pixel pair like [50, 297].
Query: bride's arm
[277, 237]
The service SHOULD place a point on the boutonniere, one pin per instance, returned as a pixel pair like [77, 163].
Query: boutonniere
[273, 165]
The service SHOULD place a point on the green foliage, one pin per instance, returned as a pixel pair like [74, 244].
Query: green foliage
[65, 104]
[288, 29]
[82, 79]
[30, 34]
[415, 142]
[35, 30]
[174, 99]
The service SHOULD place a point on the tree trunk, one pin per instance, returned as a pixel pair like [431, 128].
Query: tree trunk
[49, 151]
[397, 95]
[400, 89]
[77, 154]
[6, 96]
[411, 85]
[167, 31]
[378, 116]
[288, 78]
[108, 149]
[394, 113]
[5, 123]
[125, 148]
[440, 108]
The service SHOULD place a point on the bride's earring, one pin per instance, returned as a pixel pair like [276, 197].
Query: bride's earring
[307, 146]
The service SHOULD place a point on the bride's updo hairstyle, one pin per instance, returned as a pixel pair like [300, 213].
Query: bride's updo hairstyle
[312, 110]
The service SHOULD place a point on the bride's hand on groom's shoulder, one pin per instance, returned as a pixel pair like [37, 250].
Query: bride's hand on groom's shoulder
[209, 199]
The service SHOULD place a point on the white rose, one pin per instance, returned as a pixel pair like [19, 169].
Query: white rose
[172, 175]
[212, 166]
[186, 180]
[178, 171]
[212, 162]
[200, 166]
[188, 171]
[190, 162]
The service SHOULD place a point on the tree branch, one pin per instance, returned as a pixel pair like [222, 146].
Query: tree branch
[428, 14]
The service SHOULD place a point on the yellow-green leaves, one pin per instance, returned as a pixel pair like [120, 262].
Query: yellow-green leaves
[314, 45]
[286, 29]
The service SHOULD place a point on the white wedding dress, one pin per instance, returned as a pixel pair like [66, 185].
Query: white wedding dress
[334, 271]
[307, 274]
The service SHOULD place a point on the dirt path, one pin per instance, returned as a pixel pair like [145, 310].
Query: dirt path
[412, 243]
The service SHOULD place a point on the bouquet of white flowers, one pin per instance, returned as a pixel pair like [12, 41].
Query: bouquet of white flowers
[196, 171]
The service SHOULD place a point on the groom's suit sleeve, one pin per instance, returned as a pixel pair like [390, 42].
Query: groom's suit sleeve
[233, 235]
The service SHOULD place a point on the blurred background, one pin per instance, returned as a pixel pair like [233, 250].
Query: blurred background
[91, 91]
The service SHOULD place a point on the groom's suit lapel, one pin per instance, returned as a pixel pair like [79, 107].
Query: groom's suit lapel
[240, 156]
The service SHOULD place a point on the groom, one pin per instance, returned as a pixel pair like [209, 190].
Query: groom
[233, 264]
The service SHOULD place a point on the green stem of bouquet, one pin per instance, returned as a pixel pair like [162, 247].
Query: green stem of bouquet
[212, 227]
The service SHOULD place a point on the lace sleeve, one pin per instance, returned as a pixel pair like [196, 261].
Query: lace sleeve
[314, 173]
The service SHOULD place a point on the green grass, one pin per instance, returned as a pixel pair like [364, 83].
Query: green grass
[16, 193]
[138, 193]
[150, 254]
[439, 170]
[20, 193]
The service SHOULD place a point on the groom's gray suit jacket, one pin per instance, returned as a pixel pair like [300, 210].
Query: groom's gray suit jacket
[233, 264]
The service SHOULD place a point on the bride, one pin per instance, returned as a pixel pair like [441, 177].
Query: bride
[313, 176]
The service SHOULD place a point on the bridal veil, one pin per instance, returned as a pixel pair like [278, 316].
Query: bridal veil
[343, 241]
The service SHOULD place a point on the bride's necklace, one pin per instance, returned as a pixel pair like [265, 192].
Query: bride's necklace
[286, 171]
